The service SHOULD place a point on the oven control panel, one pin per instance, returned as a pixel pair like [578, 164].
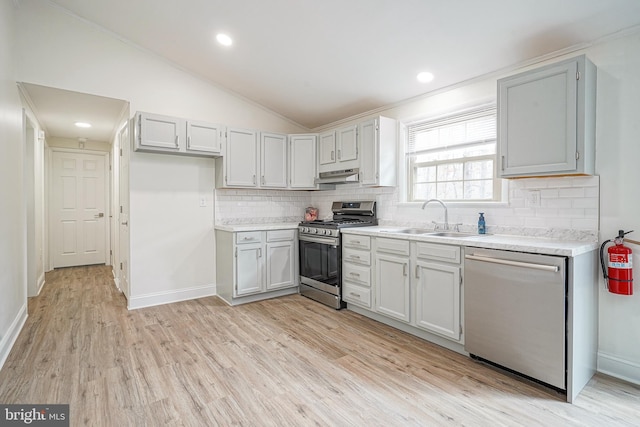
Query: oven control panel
[319, 231]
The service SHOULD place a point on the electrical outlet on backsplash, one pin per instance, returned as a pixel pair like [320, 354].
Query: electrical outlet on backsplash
[565, 207]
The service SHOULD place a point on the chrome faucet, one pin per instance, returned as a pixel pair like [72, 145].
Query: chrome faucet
[446, 213]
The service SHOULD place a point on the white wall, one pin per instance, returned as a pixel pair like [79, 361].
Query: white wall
[61, 51]
[13, 290]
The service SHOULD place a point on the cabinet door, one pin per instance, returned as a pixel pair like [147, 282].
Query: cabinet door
[273, 160]
[159, 133]
[537, 121]
[327, 148]
[347, 144]
[392, 286]
[204, 137]
[249, 270]
[280, 265]
[302, 161]
[241, 158]
[438, 299]
[369, 160]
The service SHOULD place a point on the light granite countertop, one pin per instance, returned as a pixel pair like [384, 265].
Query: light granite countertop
[489, 241]
[257, 227]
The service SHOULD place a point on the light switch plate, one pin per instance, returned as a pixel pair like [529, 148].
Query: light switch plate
[533, 199]
[203, 202]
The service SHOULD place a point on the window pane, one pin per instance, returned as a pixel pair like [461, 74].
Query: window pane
[450, 190]
[425, 174]
[478, 170]
[450, 172]
[424, 191]
[478, 190]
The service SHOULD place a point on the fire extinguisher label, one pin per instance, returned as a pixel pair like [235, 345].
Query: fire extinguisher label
[620, 261]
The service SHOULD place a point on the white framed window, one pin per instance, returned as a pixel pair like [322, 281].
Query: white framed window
[453, 158]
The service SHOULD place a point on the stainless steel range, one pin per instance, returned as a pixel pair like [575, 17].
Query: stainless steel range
[321, 252]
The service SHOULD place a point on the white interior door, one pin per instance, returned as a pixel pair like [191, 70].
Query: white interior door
[78, 207]
[125, 151]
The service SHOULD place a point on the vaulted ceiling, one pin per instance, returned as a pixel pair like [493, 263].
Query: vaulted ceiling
[318, 61]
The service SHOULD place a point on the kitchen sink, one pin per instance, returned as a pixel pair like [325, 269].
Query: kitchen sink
[453, 234]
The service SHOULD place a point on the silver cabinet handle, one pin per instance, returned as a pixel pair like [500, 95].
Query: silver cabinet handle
[339, 155]
[355, 274]
[125, 223]
[404, 269]
[354, 256]
[247, 238]
[356, 242]
[332, 155]
[354, 294]
[259, 252]
[417, 272]
[177, 141]
[189, 141]
[545, 267]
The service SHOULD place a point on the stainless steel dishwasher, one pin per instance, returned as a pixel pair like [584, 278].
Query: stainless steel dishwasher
[515, 312]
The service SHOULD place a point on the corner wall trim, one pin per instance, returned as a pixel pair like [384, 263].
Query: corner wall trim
[9, 339]
[618, 367]
[167, 297]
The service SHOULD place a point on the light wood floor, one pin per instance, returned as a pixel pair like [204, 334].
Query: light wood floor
[283, 362]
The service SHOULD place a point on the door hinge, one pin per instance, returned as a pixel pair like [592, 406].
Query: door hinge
[120, 266]
[121, 152]
[236, 254]
[120, 209]
[577, 155]
[460, 280]
[577, 75]
[502, 163]
[460, 329]
[110, 252]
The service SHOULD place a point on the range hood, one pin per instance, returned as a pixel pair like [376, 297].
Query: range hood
[345, 176]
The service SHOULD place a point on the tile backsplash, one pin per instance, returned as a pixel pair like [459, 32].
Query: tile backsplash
[563, 207]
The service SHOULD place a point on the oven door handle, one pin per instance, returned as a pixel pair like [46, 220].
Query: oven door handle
[317, 239]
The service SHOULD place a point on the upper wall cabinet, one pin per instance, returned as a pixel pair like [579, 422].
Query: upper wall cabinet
[302, 162]
[338, 149]
[378, 139]
[239, 166]
[273, 160]
[155, 133]
[546, 120]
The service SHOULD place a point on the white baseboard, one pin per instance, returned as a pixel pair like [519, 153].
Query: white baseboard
[167, 297]
[618, 367]
[41, 283]
[12, 334]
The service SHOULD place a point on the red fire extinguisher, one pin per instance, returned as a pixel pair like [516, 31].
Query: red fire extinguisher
[619, 274]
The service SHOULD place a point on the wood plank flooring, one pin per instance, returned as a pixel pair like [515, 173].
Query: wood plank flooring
[283, 362]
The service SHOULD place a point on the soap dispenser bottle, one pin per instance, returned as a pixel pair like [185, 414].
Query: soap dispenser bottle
[482, 229]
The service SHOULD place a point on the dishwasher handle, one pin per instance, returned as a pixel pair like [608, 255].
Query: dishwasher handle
[544, 267]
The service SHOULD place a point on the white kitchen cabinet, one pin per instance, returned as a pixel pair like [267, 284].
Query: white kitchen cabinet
[280, 259]
[327, 150]
[438, 279]
[239, 166]
[302, 161]
[254, 265]
[204, 137]
[392, 280]
[338, 149]
[273, 160]
[546, 120]
[378, 163]
[156, 133]
[356, 271]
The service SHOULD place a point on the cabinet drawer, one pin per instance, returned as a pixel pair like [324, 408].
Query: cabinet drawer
[354, 241]
[248, 237]
[393, 246]
[356, 256]
[280, 235]
[357, 273]
[437, 252]
[355, 294]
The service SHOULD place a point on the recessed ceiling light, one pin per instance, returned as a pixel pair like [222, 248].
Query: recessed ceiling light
[83, 125]
[424, 77]
[224, 39]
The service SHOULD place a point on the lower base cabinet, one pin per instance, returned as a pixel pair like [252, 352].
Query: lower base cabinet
[255, 265]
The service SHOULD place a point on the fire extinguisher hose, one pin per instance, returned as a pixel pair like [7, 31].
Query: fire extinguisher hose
[602, 263]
